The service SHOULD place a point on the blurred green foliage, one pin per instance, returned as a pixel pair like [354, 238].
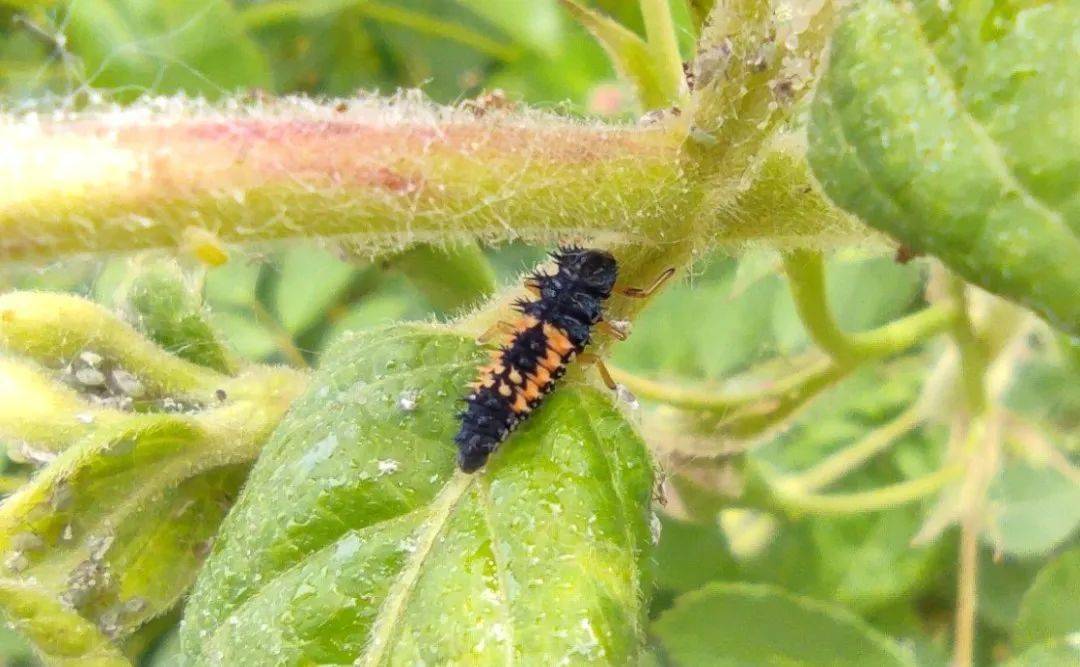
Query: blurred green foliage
[286, 304]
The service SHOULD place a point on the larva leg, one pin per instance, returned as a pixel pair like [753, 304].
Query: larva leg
[605, 375]
[644, 293]
[611, 330]
[499, 327]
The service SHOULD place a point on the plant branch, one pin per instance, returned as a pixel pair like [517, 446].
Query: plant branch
[967, 592]
[851, 458]
[866, 501]
[381, 173]
[806, 276]
[688, 398]
[973, 353]
[663, 45]
[282, 338]
[37, 410]
[55, 328]
[791, 391]
[630, 55]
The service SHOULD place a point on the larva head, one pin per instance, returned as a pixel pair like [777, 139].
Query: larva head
[595, 270]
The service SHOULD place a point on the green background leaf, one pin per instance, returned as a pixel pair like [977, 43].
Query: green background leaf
[1051, 608]
[356, 537]
[1032, 510]
[956, 129]
[193, 46]
[739, 624]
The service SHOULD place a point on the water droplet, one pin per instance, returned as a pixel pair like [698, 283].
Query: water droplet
[318, 453]
[627, 397]
[408, 399]
[388, 466]
[655, 527]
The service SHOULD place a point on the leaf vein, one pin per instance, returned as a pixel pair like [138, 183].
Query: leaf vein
[393, 607]
[500, 570]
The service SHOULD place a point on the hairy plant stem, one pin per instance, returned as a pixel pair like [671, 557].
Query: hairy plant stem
[381, 174]
[663, 46]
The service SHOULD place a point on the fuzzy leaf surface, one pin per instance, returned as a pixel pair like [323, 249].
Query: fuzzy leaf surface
[357, 541]
[956, 129]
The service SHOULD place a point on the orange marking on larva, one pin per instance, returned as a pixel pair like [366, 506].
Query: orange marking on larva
[504, 390]
[520, 405]
[526, 322]
[514, 376]
[552, 361]
[540, 375]
[532, 392]
[556, 339]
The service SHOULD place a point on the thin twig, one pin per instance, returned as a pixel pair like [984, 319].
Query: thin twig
[281, 337]
[967, 593]
[866, 501]
[846, 460]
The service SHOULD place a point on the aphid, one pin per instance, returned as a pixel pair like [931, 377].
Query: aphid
[553, 329]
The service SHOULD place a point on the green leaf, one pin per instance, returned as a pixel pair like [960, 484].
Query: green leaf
[1002, 584]
[741, 624]
[105, 538]
[249, 338]
[1062, 653]
[452, 278]
[1032, 510]
[112, 532]
[356, 539]
[232, 284]
[58, 634]
[631, 56]
[166, 47]
[1051, 607]
[14, 649]
[169, 313]
[536, 24]
[956, 129]
[690, 555]
[309, 282]
[677, 335]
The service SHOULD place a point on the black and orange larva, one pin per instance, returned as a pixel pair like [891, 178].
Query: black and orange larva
[553, 328]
